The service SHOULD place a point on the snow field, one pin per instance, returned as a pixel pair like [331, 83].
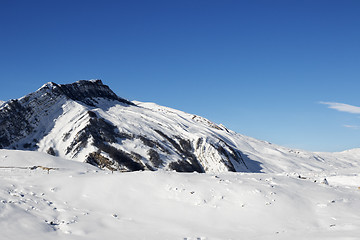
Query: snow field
[77, 201]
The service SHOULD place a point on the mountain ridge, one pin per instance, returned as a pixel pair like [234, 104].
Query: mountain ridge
[87, 121]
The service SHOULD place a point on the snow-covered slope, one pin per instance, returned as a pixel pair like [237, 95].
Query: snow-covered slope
[86, 121]
[77, 201]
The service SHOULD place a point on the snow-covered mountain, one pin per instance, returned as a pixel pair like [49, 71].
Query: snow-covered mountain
[87, 121]
[298, 195]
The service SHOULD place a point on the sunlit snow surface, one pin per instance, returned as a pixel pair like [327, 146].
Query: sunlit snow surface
[73, 200]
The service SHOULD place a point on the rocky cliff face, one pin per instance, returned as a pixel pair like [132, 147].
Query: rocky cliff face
[85, 91]
[86, 121]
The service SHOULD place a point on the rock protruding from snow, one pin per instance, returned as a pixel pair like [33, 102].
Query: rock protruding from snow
[85, 91]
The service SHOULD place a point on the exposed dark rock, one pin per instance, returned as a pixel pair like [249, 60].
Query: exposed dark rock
[150, 167]
[103, 133]
[100, 161]
[123, 135]
[152, 144]
[87, 91]
[66, 136]
[27, 145]
[226, 154]
[182, 166]
[99, 129]
[170, 140]
[51, 151]
[233, 154]
[14, 124]
[199, 142]
[188, 152]
[92, 114]
[147, 142]
[185, 150]
[154, 158]
[121, 157]
[137, 157]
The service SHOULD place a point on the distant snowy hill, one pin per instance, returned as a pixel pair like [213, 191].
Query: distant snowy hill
[86, 121]
[1, 103]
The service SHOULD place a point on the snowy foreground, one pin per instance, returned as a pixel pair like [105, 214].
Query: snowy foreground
[73, 200]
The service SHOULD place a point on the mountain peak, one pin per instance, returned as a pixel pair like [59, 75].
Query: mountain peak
[84, 91]
[21, 117]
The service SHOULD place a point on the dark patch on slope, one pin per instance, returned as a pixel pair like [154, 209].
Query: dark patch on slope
[86, 91]
[234, 154]
[184, 149]
[154, 158]
[199, 142]
[103, 132]
[96, 159]
[99, 129]
[152, 144]
[225, 153]
[13, 123]
[92, 114]
[121, 157]
[51, 151]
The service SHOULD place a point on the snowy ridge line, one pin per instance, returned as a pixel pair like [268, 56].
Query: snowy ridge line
[87, 122]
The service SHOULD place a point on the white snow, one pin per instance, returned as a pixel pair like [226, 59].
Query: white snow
[77, 201]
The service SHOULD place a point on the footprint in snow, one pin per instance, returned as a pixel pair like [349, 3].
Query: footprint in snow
[195, 238]
[321, 205]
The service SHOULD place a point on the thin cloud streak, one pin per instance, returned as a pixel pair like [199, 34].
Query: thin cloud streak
[352, 127]
[342, 107]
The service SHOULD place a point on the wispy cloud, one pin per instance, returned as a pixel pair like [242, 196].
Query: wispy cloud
[342, 107]
[352, 127]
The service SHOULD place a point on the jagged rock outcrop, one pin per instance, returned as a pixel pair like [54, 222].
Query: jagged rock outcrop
[85, 91]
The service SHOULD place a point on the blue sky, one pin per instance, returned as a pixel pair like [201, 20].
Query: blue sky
[273, 70]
